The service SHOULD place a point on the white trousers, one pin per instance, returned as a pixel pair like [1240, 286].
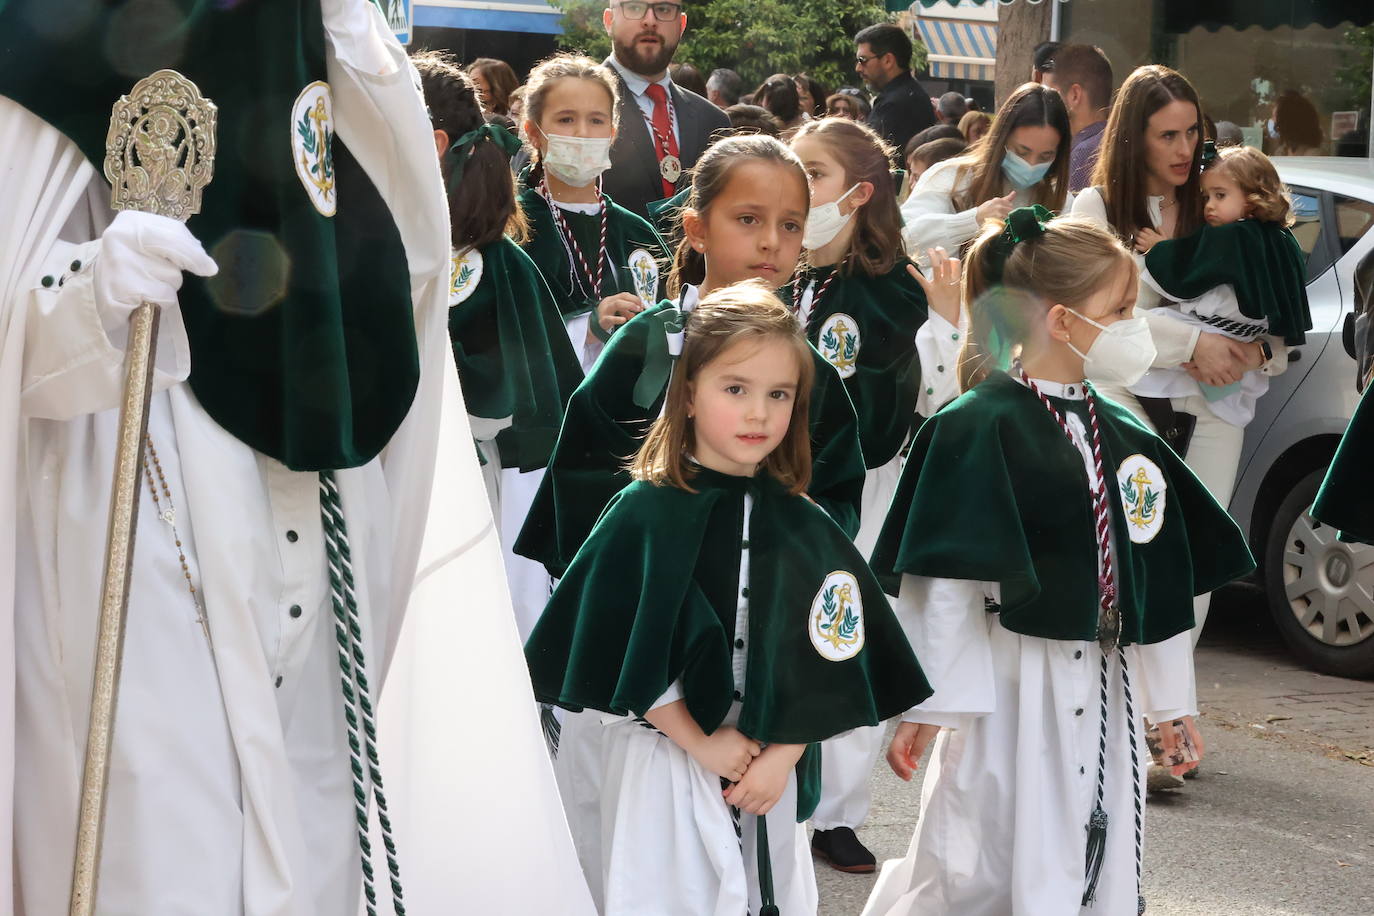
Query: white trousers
[1213, 455]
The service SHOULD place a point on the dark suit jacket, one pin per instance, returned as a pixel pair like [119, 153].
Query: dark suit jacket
[633, 180]
[900, 111]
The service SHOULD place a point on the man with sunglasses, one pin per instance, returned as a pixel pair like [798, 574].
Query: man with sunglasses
[663, 127]
[902, 106]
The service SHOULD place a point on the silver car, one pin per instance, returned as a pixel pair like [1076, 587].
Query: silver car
[1320, 590]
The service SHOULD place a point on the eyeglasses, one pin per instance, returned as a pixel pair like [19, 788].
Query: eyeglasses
[663, 12]
[861, 60]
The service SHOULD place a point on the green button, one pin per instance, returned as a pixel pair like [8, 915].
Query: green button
[76, 265]
[48, 281]
[746, 591]
[954, 336]
[930, 391]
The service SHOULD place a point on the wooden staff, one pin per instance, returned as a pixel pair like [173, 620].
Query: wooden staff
[159, 155]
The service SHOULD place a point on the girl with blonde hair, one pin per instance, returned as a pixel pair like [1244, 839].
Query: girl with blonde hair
[1054, 606]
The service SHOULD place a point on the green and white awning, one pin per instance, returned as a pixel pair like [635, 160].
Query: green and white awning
[960, 50]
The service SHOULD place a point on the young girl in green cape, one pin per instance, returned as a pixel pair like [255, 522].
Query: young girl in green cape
[864, 312]
[1053, 603]
[745, 220]
[514, 361]
[722, 622]
[600, 260]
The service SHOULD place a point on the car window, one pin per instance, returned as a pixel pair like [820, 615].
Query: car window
[1353, 219]
[1307, 230]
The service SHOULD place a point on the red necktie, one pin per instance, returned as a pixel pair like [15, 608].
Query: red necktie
[665, 143]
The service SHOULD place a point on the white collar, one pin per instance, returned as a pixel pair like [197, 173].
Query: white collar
[1071, 391]
[588, 209]
[636, 83]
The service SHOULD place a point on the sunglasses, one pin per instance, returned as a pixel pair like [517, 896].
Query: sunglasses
[663, 12]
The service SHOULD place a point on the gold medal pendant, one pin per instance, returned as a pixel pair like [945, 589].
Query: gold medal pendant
[670, 167]
[1109, 630]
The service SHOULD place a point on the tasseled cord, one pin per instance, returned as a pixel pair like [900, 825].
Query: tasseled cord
[768, 907]
[1097, 850]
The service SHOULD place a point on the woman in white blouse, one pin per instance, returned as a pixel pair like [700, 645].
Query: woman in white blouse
[1023, 160]
[1148, 183]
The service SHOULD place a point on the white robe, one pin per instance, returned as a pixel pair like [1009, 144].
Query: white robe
[1012, 779]
[653, 831]
[230, 790]
[848, 759]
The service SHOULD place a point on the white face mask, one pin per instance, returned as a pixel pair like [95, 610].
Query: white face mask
[1121, 354]
[825, 221]
[576, 161]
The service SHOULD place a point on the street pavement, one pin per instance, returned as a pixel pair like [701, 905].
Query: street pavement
[1279, 823]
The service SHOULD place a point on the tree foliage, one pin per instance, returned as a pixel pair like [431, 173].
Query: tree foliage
[753, 37]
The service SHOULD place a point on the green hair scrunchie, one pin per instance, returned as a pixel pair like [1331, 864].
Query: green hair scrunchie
[1026, 223]
[1022, 224]
[461, 150]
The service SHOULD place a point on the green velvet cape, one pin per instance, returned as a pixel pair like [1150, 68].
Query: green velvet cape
[1346, 498]
[1262, 262]
[651, 598]
[303, 346]
[884, 376]
[625, 232]
[667, 213]
[514, 358]
[994, 491]
[604, 428]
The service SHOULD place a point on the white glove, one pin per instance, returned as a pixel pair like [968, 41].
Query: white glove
[141, 259]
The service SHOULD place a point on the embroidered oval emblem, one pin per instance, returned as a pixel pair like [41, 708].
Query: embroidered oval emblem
[466, 274]
[1142, 487]
[312, 143]
[644, 271]
[839, 343]
[836, 624]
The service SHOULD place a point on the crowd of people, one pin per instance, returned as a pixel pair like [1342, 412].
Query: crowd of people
[795, 414]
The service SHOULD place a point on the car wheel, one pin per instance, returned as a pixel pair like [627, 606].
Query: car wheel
[1320, 589]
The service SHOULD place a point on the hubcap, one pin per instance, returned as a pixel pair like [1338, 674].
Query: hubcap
[1329, 584]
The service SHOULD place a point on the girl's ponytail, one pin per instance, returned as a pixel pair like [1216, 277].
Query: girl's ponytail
[689, 267]
[1016, 271]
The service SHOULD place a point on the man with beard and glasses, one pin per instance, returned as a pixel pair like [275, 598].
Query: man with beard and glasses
[663, 127]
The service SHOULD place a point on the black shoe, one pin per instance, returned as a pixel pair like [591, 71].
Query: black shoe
[842, 851]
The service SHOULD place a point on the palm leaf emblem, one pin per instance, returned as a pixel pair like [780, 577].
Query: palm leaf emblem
[1141, 499]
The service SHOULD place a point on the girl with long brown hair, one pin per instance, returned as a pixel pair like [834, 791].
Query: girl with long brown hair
[1022, 160]
[726, 624]
[1044, 549]
[743, 220]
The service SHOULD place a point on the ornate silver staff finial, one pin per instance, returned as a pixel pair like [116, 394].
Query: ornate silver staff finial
[160, 151]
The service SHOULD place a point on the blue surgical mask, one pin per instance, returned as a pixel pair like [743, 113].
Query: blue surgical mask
[1021, 173]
